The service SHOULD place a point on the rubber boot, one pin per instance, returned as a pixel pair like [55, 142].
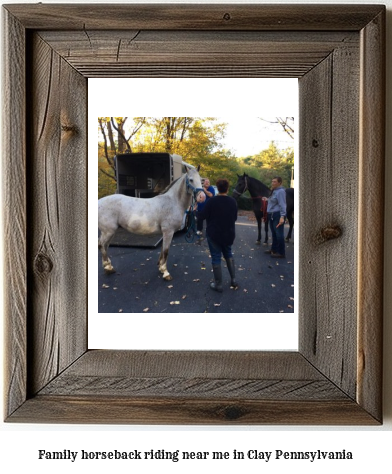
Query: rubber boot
[231, 268]
[217, 284]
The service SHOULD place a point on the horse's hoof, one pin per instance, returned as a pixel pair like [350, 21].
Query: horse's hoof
[109, 270]
[265, 243]
[258, 242]
[168, 278]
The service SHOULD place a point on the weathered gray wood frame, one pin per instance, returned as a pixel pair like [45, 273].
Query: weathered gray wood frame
[337, 52]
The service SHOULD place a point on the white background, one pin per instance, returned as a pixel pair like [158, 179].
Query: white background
[19, 444]
[248, 98]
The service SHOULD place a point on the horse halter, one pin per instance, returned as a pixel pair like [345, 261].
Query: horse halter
[245, 188]
[190, 186]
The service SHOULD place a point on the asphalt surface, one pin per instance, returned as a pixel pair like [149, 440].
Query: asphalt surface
[266, 283]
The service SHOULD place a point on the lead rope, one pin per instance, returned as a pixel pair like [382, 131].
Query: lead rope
[191, 225]
[191, 218]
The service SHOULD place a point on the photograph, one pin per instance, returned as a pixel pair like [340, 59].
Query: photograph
[208, 199]
[213, 332]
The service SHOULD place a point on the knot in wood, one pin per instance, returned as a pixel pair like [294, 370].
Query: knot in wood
[315, 143]
[43, 264]
[328, 233]
[69, 128]
[232, 413]
[227, 16]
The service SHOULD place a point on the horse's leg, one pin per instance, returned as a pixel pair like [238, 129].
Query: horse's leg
[258, 218]
[103, 244]
[266, 232]
[162, 262]
[290, 218]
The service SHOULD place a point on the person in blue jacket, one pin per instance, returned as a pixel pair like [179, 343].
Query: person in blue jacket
[276, 212]
[209, 191]
[220, 214]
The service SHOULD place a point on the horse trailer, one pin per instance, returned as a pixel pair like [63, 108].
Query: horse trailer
[145, 175]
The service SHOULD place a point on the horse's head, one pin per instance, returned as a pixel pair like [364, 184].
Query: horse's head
[241, 186]
[193, 182]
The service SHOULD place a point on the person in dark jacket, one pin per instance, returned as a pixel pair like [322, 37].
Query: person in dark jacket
[220, 214]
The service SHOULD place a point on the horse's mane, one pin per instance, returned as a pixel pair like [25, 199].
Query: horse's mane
[263, 186]
[170, 185]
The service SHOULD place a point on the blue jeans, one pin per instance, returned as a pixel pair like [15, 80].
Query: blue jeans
[278, 245]
[217, 250]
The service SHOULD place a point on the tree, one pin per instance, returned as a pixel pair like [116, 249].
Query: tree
[106, 131]
[197, 139]
[118, 124]
[190, 137]
[287, 123]
[106, 125]
[269, 163]
[106, 179]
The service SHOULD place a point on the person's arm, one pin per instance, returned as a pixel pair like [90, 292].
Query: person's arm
[208, 193]
[281, 196]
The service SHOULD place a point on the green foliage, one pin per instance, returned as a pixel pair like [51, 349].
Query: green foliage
[106, 184]
[269, 163]
[185, 136]
[218, 165]
[198, 141]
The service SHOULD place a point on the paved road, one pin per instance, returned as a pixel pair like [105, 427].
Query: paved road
[266, 284]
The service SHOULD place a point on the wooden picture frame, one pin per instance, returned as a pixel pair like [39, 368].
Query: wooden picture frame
[338, 54]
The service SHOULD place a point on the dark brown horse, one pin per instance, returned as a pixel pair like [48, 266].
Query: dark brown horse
[258, 191]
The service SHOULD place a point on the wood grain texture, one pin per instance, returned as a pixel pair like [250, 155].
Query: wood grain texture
[335, 378]
[14, 211]
[195, 17]
[205, 374]
[155, 411]
[208, 364]
[371, 216]
[192, 387]
[188, 387]
[329, 98]
[196, 53]
[57, 215]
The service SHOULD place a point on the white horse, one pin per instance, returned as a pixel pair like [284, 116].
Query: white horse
[161, 214]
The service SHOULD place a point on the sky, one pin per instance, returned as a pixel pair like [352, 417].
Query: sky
[247, 136]
[238, 101]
